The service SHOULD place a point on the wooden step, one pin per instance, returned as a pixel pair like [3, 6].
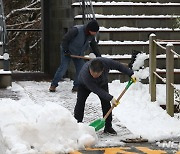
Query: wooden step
[137, 34]
[116, 75]
[160, 60]
[138, 21]
[131, 8]
[125, 47]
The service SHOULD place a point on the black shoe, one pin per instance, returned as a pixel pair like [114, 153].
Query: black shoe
[75, 89]
[110, 130]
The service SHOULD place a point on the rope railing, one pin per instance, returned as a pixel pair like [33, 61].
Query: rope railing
[175, 53]
[161, 78]
[158, 44]
[169, 72]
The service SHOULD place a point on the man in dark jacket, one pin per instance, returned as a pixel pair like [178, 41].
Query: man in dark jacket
[93, 77]
[75, 42]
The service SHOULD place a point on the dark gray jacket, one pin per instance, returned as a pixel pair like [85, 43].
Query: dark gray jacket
[95, 84]
[77, 41]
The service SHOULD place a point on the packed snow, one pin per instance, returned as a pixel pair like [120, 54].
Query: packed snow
[39, 122]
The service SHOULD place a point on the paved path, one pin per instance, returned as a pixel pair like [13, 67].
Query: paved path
[145, 148]
[92, 112]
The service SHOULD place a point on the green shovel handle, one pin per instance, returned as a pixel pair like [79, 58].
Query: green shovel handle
[125, 89]
[129, 83]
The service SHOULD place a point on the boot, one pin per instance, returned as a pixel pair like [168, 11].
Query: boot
[52, 89]
[110, 130]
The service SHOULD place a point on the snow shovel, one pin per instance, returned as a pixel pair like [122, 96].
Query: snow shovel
[89, 58]
[80, 57]
[100, 123]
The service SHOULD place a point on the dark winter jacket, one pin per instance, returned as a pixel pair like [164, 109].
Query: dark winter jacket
[95, 84]
[77, 41]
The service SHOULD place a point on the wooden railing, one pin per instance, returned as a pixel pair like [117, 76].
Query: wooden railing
[153, 43]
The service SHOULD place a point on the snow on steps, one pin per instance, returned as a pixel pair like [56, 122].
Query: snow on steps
[160, 60]
[125, 26]
[114, 75]
[141, 21]
[137, 34]
[126, 47]
[132, 29]
[127, 8]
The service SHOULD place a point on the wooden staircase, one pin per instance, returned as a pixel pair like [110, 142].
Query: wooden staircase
[126, 26]
[5, 73]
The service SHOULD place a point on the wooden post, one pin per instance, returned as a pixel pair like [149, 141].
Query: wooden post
[169, 80]
[152, 67]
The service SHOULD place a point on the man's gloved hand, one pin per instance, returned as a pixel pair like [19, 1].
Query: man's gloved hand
[114, 102]
[67, 53]
[92, 55]
[133, 78]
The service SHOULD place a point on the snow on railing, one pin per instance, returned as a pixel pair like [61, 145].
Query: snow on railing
[170, 87]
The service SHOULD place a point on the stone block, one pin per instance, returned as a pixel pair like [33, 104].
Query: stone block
[5, 80]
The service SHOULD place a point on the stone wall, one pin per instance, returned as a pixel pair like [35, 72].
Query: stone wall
[57, 18]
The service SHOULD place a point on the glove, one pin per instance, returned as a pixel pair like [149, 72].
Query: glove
[133, 78]
[67, 53]
[92, 55]
[114, 102]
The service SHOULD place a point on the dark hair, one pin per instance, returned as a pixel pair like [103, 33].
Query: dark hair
[96, 65]
[93, 26]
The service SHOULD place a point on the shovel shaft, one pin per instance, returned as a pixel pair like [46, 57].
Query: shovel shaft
[108, 113]
[118, 99]
[81, 57]
[100, 123]
[88, 58]
[122, 93]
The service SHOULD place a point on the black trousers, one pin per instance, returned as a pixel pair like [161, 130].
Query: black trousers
[82, 95]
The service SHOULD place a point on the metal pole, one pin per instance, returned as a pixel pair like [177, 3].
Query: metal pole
[152, 67]
[169, 80]
[83, 11]
[6, 63]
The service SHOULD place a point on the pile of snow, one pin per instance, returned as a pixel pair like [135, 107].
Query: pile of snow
[139, 62]
[32, 128]
[38, 123]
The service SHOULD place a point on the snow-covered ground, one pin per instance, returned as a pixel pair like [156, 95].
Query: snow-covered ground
[36, 121]
[40, 121]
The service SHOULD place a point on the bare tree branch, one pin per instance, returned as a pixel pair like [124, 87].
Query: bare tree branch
[22, 11]
[24, 23]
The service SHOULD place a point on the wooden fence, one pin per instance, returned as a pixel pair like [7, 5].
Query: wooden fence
[153, 43]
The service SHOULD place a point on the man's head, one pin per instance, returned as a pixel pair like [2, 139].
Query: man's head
[92, 27]
[96, 68]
